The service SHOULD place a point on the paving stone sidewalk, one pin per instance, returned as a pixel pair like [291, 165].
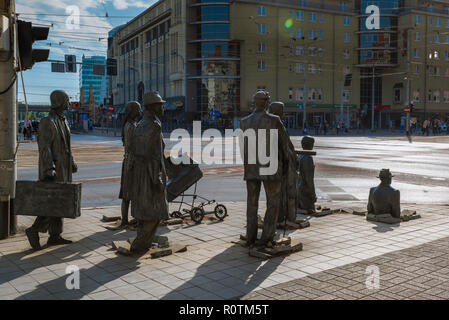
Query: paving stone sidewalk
[215, 268]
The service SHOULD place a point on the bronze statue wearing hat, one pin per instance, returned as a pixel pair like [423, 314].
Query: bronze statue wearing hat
[306, 188]
[55, 164]
[132, 112]
[287, 209]
[148, 200]
[261, 120]
[383, 199]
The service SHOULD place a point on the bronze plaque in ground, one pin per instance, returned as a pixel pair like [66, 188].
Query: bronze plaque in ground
[48, 199]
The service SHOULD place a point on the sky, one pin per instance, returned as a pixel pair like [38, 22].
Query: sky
[90, 39]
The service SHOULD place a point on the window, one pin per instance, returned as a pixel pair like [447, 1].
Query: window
[437, 38]
[437, 22]
[299, 50]
[446, 22]
[261, 11]
[300, 33]
[291, 14]
[312, 16]
[417, 19]
[299, 94]
[320, 17]
[261, 47]
[261, 28]
[446, 96]
[346, 21]
[346, 96]
[290, 67]
[320, 94]
[417, 36]
[397, 95]
[312, 94]
[346, 69]
[299, 67]
[437, 71]
[436, 96]
[430, 38]
[415, 53]
[416, 95]
[300, 15]
[320, 35]
[320, 52]
[416, 69]
[347, 37]
[312, 68]
[446, 55]
[431, 21]
[261, 65]
[290, 51]
[446, 39]
[290, 94]
[313, 51]
[429, 95]
[312, 34]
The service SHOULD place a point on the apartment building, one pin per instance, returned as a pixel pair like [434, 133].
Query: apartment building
[207, 58]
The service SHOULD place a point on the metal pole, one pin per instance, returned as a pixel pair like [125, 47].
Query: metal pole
[372, 103]
[8, 119]
[304, 115]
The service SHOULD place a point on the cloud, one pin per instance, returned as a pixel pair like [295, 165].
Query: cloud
[125, 4]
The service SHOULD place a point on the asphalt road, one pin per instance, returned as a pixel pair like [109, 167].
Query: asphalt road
[346, 167]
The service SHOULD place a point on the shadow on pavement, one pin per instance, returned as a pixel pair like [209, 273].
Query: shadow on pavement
[228, 275]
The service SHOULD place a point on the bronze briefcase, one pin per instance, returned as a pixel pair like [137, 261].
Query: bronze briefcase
[48, 199]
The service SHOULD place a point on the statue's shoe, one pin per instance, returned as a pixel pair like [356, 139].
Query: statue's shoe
[33, 239]
[54, 241]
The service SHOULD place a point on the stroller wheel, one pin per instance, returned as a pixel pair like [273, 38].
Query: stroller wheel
[221, 212]
[177, 214]
[197, 215]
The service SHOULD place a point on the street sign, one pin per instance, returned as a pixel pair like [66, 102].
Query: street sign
[407, 109]
[111, 108]
[214, 113]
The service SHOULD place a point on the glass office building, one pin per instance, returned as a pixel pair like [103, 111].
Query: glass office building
[97, 81]
[215, 61]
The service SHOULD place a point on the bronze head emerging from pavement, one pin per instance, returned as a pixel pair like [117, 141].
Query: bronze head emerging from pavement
[307, 143]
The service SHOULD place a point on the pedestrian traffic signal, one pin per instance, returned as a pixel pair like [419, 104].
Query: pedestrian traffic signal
[27, 34]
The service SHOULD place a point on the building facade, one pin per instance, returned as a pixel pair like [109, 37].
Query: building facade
[321, 58]
[96, 81]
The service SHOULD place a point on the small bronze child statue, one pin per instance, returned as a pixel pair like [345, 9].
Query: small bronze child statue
[306, 188]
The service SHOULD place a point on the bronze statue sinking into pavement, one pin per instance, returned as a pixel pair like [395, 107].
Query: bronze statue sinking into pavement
[384, 202]
[306, 188]
[132, 113]
[287, 209]
[261, 120]
[55, 164]
[148, 198]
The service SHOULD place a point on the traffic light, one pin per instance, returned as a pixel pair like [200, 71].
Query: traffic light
[27, 35]
[111, 67]
[348, 79]
[70, 63]
[411, 107]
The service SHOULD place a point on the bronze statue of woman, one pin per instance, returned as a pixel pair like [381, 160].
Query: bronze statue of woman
[132, 113]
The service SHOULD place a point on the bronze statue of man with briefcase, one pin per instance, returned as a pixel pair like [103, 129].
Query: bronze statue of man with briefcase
[54, 196]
